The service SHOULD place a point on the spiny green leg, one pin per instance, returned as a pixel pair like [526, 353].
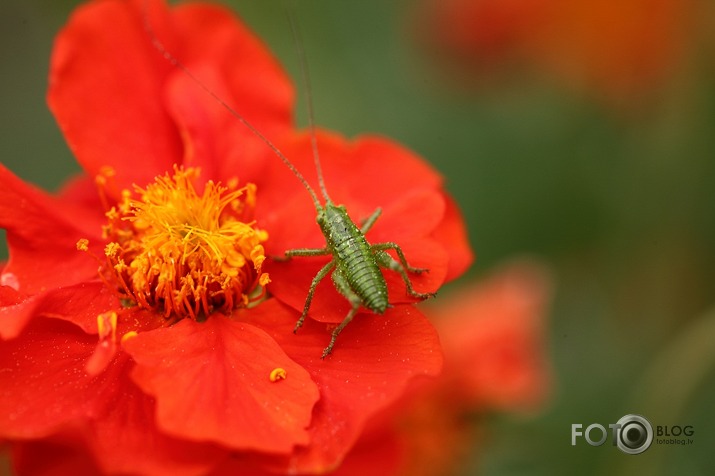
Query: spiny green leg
[394, 246]
[314, 284]
[386, 261]
[343, 287]
[369, 221]
[302, 252]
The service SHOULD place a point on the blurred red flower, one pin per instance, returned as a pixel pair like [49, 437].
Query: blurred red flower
[617, 49]
[492, 334]
[171, 358]
[481, 31]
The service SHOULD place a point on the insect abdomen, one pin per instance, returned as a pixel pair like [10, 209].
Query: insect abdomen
[355, 260]
[364, 276]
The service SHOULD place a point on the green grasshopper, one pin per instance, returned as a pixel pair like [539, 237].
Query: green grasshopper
[355, 263]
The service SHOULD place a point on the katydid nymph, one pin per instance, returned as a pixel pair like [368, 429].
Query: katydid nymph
[355, 264]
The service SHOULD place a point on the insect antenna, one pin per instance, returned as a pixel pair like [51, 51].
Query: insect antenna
[178, 64]
[307, 93]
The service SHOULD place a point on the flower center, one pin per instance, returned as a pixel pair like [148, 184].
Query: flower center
[184, 253]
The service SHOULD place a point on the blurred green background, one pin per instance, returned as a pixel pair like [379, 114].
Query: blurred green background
[618, 201]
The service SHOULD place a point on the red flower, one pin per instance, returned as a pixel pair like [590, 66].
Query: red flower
[616, 49]
[179, 352]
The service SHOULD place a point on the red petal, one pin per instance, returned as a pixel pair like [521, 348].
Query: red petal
[95, 70]
[374, 359]
[211, 382]
[125, 439]
[452, 235]
[80, 304]
[57, 456]
[379, 456]
[364, 174]
[105, 91]
[42, 234]
[10, 297]
[380, 170]
[43, 385]
[416, 214]
[233, 63]
[119, 427]
[383, 170]
[373, 455]
[82, 191]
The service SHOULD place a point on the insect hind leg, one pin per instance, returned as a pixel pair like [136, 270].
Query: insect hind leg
[311, 291]
[386, 261]
[400, 254]
[343, 287]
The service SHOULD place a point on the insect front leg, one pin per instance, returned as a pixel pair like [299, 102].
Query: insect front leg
[386, 261]
[311, 291]
[369, 221]
[343, 287]
[302, 252]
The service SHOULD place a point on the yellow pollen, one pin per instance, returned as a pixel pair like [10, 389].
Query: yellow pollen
[128, 335]
[83, 244]
[184, 252]
[277, 374]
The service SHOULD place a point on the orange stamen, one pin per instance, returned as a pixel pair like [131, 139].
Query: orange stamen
[183, 253]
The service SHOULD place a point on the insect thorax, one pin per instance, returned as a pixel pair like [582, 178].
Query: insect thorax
[337, 226]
